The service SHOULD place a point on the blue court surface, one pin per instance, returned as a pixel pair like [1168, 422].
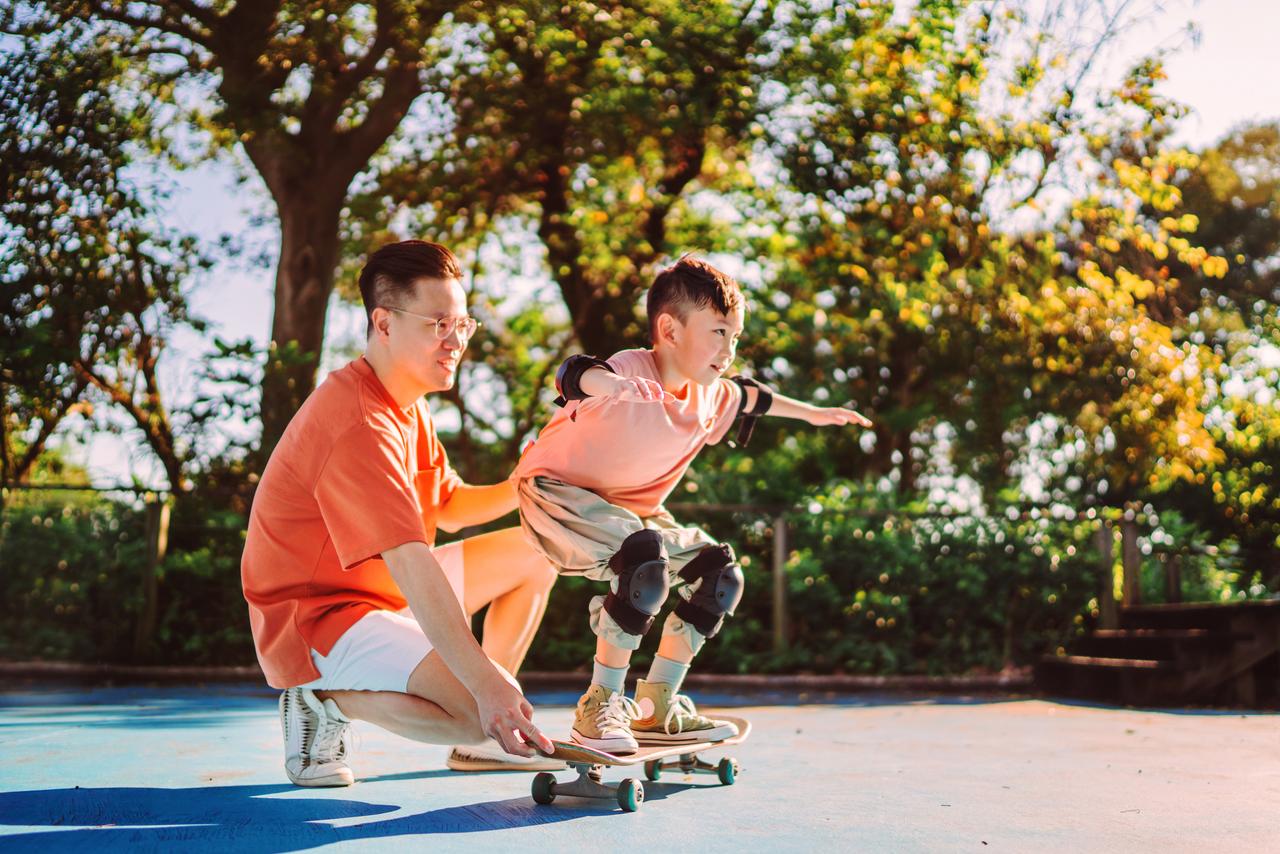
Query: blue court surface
[200, 768]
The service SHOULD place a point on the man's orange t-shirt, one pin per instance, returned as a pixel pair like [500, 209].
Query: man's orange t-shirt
[353, 476]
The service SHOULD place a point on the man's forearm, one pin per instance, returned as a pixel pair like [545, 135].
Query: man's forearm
[475, 505]
[433, 603]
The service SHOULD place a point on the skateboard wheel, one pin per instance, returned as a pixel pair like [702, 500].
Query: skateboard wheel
[630, 795]
[544, 788]
[653, 769]
[727, 771]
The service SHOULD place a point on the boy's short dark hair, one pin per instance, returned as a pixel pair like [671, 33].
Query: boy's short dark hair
[688, 285]
[388, 277]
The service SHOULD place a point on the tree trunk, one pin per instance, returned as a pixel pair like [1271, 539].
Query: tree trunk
[304, 281]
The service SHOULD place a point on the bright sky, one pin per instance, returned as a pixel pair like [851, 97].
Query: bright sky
[1232, 77]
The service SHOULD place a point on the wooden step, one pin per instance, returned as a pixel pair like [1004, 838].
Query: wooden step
[1109, 663]
[1186, 645]
[1205, 615]
[1132, 681]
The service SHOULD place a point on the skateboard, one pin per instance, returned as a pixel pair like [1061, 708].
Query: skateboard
[589, 763]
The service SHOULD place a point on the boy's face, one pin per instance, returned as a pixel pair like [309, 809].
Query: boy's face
[417, 350]
[706, 343]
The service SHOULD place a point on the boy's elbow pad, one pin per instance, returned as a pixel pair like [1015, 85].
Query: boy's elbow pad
[569, 377]
[764, 400]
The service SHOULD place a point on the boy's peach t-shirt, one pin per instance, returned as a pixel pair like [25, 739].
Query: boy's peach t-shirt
[353, 476]
[631, 454]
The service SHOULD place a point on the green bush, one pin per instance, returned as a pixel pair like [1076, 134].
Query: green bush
[72, 585]
[871, 588]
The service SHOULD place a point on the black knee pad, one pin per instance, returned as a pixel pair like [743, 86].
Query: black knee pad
[641, 567]
[719, 593]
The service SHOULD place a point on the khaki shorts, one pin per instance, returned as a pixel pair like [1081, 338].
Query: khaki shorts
[577, 531]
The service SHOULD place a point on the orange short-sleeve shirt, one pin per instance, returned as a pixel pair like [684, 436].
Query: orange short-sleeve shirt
[353, 476]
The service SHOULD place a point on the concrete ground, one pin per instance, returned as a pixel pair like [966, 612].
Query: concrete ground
[163, 768]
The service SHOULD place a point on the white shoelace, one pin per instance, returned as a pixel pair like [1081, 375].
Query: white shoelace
[331, 739]
[616, 714]
[680, 705]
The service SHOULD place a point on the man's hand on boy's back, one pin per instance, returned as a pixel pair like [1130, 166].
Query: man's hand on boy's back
[598, 382]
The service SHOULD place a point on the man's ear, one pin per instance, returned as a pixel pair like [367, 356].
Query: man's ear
[381, 322]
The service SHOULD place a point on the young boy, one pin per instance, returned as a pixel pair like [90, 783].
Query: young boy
[592, 487]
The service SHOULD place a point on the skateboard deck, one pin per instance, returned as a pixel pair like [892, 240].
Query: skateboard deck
[629, 793]
[574, 753]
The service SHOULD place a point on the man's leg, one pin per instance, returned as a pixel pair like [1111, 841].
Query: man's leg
[503, 571]
[437, 709]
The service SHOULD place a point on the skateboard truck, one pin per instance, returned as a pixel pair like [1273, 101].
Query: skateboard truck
[629, 793]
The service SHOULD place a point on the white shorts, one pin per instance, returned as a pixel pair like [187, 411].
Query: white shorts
[382, 649]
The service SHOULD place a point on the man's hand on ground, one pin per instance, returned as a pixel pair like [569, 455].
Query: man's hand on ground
[504, 713]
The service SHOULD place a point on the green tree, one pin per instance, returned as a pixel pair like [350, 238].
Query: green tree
[91, 289]
[309, 92]
[945, 256]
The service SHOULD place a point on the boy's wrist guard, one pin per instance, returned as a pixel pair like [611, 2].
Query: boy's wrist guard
[764, 400]
[569, 377]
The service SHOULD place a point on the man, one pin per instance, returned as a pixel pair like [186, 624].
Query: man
[354, 614]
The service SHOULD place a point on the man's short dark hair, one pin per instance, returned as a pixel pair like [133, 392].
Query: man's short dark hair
[689, 285]
[389, 275]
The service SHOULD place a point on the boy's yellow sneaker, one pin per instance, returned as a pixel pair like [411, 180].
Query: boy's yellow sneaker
[603, 721]
[669, 718]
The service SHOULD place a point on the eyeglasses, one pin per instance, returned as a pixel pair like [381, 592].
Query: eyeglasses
[466, 325]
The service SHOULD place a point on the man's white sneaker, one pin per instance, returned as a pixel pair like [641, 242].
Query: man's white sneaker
[316, 740]
[488, 755]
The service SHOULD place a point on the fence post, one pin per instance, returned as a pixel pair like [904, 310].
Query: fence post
[779, 582]
[1105, 542]
[1173, 579]
[157, 545]
[1131, 558]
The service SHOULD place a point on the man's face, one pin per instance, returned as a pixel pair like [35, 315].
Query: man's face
[707, 342]
[417, 350]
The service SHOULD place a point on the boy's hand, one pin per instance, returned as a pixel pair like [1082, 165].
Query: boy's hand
[602, 383]
[638, 390]
[826, 416]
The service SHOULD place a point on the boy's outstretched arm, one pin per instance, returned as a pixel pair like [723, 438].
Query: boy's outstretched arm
[818, 416]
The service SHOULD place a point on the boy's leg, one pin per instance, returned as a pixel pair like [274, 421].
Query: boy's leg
[712, 589]
[602, 719]
[638, 584]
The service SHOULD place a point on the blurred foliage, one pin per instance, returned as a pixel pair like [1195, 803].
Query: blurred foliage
[948, 219]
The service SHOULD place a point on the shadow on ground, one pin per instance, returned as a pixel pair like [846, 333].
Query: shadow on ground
[246, 817]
